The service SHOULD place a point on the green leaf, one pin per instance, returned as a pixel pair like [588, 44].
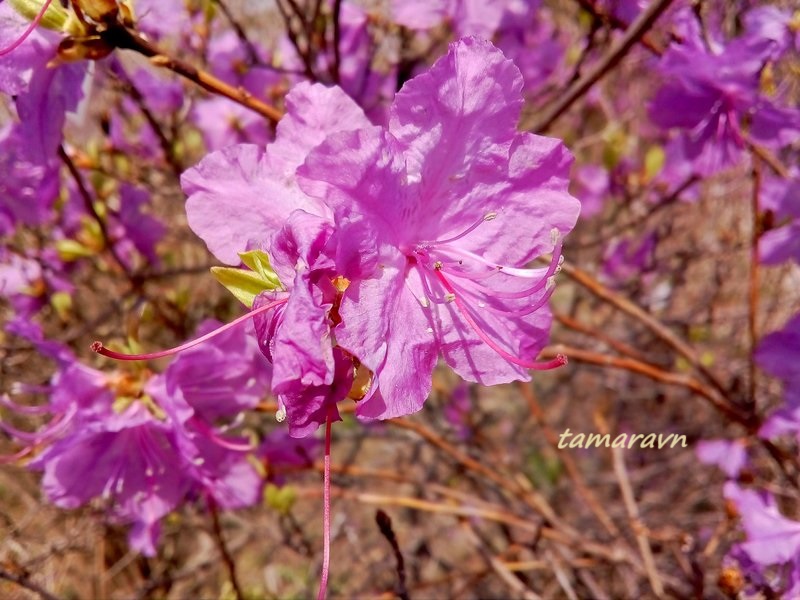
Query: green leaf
[258, 261]
[653, 162]
[243, 284]
[280, 499]
[71, 250]
[62, 304]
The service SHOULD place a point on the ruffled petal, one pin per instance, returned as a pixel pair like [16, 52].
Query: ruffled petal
[455, 122]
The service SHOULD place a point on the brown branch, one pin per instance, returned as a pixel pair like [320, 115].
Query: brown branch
[752, 297]
[385, 525]
[24, 581]
[653, 372]
[569, 463]
[337, 40]
[654, 325]
[639, 531]
[240, 32]
[617, 23]
[768, 159]
[122, 37]
[88, 203]
[615, 54]
[230, 565]
[164, 142]
[620, 347]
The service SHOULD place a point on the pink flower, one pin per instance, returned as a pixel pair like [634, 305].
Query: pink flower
[437, 216]
[244, 197]
[395, 245]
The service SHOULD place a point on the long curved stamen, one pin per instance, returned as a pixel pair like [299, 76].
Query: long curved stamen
[33, 25]
[6, 459]
[222, 442]
[101, 349]
[56, 426]
[487, 217]
[514, 271]
[554, 267]
[558, 361]
[517, 312]
[23, 409]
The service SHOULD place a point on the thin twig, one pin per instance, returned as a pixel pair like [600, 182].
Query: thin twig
[653, 324]
[569, 463]
[304, 55]
[632, 509]
[230, 565]
[252, 54]
[139, 99]
[337, 39]
[497, 565]
[121, 37]
[24, 581]
[88, 203]
[591, 332]
[653, 372]
[615, 54]
[754, 263]
[617, 23]
[385, 526]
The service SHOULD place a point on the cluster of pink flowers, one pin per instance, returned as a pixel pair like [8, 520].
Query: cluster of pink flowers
[395, 217]
[381, 249]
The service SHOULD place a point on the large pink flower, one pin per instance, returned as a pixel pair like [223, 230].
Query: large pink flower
[446, 206]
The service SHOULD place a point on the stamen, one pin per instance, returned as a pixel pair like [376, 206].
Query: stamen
[101, 349]
[518, 312]
[23, 409]
[53, 428]
[33, 25]
[555, 266]
[220, 441]
[558, 361]
[515, 271]
[490, 216]
[11, 458]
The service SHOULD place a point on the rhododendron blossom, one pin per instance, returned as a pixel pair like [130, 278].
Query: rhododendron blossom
[418, 234]
[143, 442]
[443, 209]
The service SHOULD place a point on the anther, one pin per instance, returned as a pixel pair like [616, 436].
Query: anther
[490, 216]
[449, 297]
[437, 265]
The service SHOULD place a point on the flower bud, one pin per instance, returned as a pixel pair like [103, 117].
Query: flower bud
[55, 18]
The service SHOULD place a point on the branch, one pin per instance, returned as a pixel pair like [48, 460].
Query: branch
[124, 38]
[230, 565]
[660, 330]
[25, 582]
[632, 35]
